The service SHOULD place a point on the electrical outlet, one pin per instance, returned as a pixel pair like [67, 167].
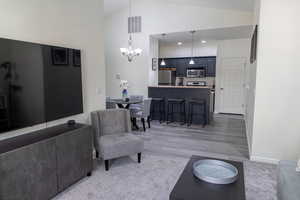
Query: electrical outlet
[118, 76]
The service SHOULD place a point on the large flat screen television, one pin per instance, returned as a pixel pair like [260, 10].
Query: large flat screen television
[38, 83]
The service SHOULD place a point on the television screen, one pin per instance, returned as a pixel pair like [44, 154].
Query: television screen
[38, 83]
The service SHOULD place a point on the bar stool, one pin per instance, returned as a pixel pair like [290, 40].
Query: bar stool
[158, 106]
[176, 103]
[193, 104]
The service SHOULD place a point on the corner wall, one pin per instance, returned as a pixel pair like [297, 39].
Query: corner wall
[69, 23]
[276, 127]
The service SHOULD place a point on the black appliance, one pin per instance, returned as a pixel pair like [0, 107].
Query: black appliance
[41, 83]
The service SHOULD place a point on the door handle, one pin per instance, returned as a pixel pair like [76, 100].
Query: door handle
[221, 88]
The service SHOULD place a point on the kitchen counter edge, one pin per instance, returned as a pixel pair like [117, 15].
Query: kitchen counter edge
[172, 86]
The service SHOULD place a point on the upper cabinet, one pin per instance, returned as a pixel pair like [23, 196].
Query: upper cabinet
[211, 67]
[182, 64]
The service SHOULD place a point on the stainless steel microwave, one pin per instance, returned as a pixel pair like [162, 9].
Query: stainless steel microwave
[195, 73]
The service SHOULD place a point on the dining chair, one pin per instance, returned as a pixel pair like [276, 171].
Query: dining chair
[110, 105]
[136, 107]
[136, 98]
[143, 113]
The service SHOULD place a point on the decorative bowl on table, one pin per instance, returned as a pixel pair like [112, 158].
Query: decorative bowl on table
[215, 171]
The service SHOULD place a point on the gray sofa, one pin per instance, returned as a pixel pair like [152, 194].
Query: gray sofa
[113, 137]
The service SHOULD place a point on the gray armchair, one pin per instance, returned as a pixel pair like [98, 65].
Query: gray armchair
[143, 112]
[113, 137]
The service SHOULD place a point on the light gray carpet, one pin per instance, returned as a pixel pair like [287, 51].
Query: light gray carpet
[167, 150]
[154, 179]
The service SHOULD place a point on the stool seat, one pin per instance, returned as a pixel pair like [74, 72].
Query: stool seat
[197, 101]
[176, 100]
[157, 99]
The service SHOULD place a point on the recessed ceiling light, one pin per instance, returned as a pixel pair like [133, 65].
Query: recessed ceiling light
[203, 41]
[179, 43]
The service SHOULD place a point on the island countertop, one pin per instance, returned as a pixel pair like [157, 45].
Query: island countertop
[173, 86]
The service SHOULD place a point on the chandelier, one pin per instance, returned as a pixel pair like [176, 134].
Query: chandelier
[130, 52]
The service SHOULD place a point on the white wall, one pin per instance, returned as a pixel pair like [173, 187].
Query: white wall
[69, 23]
[153, 53]
[251, 85]
[276, 130]
[172, 50]
[157, 17]
[239, 48]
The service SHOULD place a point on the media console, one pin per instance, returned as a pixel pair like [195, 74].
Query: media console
[41, 164]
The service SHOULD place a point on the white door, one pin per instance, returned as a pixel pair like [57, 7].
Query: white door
[232, 82]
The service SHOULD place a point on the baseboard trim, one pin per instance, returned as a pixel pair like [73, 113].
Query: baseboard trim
[264, 160]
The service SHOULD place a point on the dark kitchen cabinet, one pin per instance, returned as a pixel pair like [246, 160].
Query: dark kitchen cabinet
[211, 67]
[170, 63]
[182, 64]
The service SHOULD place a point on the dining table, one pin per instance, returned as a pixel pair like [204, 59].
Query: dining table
[125, 104]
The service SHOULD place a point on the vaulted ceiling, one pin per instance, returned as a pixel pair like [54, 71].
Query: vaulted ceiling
[228, 33]
[111, 6]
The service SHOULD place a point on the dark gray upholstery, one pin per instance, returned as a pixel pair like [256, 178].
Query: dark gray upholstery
[29, 173]
[38, 165]
[112, 134]
[74, 156]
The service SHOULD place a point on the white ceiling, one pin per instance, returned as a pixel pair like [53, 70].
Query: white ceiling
[238, 32]
[111, 6]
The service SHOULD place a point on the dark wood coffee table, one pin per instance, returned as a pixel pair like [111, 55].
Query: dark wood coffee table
[188, 187]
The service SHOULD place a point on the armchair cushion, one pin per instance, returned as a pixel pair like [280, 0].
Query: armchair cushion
[118, 145]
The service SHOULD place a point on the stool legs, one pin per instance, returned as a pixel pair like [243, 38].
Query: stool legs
[158, 107]
[162, 111]
[170, 112]
[144, 126]
[183, 113]
[203, 115]
[148, 121]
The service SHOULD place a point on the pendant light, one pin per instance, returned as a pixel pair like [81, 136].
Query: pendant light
[192, 62]
[163, 63]
[130, 52]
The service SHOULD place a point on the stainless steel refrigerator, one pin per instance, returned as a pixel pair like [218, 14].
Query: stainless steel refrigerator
[166, 77]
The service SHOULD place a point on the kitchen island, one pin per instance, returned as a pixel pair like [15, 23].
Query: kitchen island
[187, 93]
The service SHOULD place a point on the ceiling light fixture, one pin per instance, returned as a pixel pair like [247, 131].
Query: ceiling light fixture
[179, 43]
[192, 62]
[130, 52]
[203, 41]
[163, 63]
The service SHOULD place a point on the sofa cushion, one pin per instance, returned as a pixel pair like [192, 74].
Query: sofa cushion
[122, 144]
